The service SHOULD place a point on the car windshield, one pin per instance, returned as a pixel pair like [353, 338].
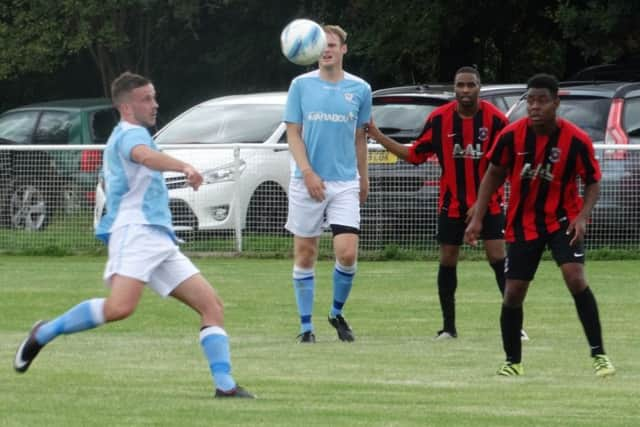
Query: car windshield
[401, 117]
[223, 124]
[588, 113]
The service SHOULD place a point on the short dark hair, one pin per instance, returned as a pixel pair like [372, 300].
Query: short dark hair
[544, 81]
[467, 69]
[125, 83]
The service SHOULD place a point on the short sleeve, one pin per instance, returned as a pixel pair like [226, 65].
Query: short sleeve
[293, 107]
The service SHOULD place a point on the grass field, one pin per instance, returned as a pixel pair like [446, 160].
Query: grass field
[149, 369]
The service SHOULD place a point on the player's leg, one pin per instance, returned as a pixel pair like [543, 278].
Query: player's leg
[571, 260]
[345, 245]
[304, 220]
[520, 267]
[343, 214]
[450, 234]
[196, 292]
[494, 246]
[305, 253]
[126, 289]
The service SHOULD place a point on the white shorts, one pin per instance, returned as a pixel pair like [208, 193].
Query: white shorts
[148, 254]
[307, 216]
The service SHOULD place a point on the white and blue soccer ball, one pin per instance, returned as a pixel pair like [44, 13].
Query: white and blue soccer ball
[302, 41]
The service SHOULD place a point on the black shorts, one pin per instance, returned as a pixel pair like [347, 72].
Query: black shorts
[451, 230]
[523, 257]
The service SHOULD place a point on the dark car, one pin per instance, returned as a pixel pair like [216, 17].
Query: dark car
[404, 198]
[36, 182]
[610, 113]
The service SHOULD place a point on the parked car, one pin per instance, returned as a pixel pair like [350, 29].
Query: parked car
[35, 183]
[246, 190]
[610, 113]
[404, 197]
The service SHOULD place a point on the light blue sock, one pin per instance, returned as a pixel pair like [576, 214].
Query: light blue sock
[86, 315]
[342, 283]
[304, 287]
[215, 345]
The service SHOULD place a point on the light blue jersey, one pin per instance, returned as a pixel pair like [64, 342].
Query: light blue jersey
[329, 114]
[135, 194]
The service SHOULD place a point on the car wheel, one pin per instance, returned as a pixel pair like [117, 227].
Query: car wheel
[29, 207]
[267, 211]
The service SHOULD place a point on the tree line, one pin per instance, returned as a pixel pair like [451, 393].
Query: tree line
[198, 49]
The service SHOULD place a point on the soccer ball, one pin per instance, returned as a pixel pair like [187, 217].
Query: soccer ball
[302, 41]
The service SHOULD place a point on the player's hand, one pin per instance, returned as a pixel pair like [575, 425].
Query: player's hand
[315, 185]
[578, 227]
[472, 232]
[194, 179]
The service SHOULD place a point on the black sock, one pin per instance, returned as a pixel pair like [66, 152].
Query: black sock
[498, 269]
[447, 284]
[588, 313]
[510, 325]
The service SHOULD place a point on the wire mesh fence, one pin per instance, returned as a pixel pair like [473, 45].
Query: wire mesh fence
[48, 193]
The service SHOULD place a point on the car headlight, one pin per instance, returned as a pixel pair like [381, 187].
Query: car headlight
[226, 172]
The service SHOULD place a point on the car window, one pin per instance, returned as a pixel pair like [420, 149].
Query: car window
[102, 123]
[631, 117]
[18, 127]
[509, 100]
[588, 113]
[498, 101]
[53, 128]
[397, 117]
[223, 124]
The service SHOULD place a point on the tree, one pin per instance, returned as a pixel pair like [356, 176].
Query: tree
[603, 30]
[41, 35]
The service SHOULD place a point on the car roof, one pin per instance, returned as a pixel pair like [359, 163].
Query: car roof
[253, 98]
[604, 88]
[67, 105]
[446, 90]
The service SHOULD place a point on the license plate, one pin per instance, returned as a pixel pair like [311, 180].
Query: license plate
[382, 157]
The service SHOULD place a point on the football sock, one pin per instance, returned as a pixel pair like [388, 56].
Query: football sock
[215, 344]
[498, 269]
[510, 325]
[342, 283]
[588, 313]
[86, 315]
[447, 284]
[304, 287]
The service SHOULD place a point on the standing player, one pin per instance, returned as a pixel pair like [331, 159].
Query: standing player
[542, 156]
[142, 244]
[459, 133]
[326, 112]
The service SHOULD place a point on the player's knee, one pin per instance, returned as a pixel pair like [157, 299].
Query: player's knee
[114, 312]
[348, 257]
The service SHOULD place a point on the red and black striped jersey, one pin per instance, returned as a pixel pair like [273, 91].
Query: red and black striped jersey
[460, 145]
[542, 171]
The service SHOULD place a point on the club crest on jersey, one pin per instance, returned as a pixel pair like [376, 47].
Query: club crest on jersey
[468, 152]
[554, 156]
[483, 134]
[348, 97]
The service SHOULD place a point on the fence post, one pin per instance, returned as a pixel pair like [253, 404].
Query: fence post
[236, 199]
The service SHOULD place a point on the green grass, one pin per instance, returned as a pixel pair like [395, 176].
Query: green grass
[149, 369]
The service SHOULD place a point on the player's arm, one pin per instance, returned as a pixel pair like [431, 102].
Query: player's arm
[492, 180]
[388, 143]
[298, 150]
[156, 160]
[363, 167]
